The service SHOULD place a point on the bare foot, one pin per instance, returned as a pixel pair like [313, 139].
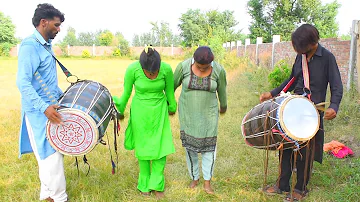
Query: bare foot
[49, 199]
[159, 194]
[145, 193]
[207, 187]
[193, 184]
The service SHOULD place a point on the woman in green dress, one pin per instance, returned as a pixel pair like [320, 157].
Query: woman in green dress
[203, 85]
[148, 130]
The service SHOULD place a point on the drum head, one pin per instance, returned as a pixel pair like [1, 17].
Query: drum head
[76, 137]
[299, 118]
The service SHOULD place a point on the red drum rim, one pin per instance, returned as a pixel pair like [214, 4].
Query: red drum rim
[77, 137]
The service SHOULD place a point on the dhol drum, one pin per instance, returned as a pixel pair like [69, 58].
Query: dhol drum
[86, 108]
[286, 122]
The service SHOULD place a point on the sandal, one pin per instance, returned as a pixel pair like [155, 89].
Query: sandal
[297, 195]
[273, 190]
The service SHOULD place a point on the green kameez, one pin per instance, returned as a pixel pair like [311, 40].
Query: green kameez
[148, 131]
[198, 105]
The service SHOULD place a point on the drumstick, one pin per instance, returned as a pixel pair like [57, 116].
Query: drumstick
[320, 108]
[322, 103]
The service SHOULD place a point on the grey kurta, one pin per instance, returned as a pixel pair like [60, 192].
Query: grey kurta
[198, 105]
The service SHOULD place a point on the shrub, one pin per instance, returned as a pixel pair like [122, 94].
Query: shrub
[86, 54]
[116, 52]
[231, 61]
[124, 47]
[5, 49]
[280, 73]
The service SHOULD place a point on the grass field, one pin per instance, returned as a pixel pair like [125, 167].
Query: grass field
[238, 168]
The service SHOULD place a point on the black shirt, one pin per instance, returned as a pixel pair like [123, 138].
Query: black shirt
[323, 70]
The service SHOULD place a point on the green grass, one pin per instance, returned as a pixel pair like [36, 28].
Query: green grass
[238, 168]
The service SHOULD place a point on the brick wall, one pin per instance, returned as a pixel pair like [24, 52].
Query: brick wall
[284, 50]
[264, 54]
[107, 50]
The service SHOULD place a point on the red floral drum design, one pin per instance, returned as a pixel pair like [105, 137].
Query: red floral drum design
[77, 136]
[86, 108]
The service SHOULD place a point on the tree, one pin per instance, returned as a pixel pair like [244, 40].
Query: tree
[120, 41]
[281, 17]
[7, 30]
[325, 22]
[136, 41]
[70, 38]
[162, 35]
[196, 26]
[142, 39]
[146, 38]
[105, 38]
[86, 39]
[193, 27]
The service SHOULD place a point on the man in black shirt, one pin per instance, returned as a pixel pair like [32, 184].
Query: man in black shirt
[323, 70]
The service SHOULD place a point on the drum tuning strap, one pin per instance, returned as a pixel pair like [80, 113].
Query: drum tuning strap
[113, 166]
[281, 152]
[85, 162]
[77, 166]
[116, 119]
[293, 176]
[267, 143]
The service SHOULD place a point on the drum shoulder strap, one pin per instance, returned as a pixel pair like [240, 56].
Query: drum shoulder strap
[305, 70]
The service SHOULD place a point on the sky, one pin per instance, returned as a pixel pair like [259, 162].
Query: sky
[134, 16]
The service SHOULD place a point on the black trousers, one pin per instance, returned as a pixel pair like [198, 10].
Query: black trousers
[303, 163]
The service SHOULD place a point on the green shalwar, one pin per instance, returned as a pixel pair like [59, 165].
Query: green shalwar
[149, 131]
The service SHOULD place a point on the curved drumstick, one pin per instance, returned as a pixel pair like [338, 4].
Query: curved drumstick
[321, 106]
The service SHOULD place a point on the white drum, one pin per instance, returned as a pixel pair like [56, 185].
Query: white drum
[287, 121]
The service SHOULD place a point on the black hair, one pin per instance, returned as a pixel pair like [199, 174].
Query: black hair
[303, 37]
[203, 55]
[150, 59]
[46, 11]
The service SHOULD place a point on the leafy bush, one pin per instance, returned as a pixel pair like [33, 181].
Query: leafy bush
[256, 79]
[5, 49]
[86, 54]
[124, 47]
[231, 61]
[63, 48]
[189, 52]
[116, 52]
[280, 73]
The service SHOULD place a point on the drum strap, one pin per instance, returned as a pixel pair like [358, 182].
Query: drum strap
[43, 84]
[305, 70]
[63, 68]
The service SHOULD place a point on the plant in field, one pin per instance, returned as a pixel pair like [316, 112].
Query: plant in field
[85, 54]
[116, 52]
[280, 73]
